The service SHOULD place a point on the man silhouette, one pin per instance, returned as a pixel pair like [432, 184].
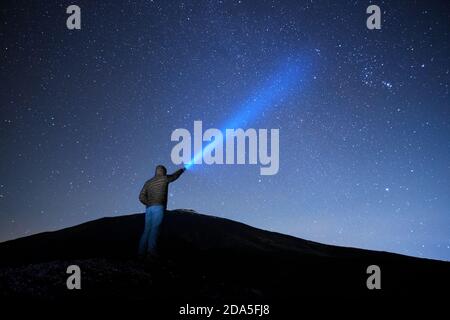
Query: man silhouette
[154, 196]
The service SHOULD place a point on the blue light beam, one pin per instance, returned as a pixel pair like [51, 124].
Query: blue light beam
[274, 89]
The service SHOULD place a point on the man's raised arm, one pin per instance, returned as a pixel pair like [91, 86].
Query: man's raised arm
[174, 176]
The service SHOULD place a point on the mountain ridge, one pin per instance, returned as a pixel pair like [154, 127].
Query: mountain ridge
[203, 257]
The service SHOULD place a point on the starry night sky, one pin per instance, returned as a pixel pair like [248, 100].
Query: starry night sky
[364, 135]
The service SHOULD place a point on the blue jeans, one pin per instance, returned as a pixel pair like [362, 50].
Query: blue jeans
[153, 219]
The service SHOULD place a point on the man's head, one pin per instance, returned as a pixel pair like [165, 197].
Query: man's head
[160, 170]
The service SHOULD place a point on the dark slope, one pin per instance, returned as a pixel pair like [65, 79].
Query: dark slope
[202, 258]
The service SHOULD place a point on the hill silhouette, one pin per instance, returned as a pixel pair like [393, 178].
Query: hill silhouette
[202, 258]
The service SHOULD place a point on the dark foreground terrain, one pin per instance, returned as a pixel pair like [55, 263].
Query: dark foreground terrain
[203, 259]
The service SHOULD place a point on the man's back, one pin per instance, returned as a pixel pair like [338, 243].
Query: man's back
[155, 190]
